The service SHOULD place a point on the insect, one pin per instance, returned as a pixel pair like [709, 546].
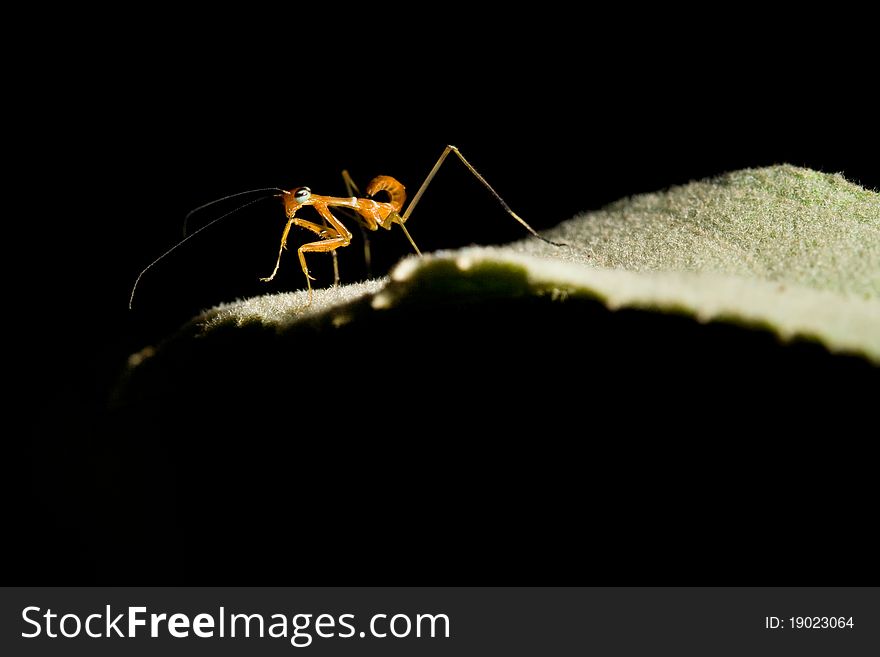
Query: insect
[333, 234]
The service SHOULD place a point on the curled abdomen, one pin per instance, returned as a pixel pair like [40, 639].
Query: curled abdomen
[396, 190]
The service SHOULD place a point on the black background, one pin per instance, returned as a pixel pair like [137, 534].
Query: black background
[125, 130]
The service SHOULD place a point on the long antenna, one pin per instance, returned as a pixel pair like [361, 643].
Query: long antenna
[225, 198]
[190, 236]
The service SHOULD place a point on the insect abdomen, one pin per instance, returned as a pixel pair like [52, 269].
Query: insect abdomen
[395, 190]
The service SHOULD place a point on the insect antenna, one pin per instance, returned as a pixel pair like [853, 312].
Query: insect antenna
[226, 198]
[196, 232]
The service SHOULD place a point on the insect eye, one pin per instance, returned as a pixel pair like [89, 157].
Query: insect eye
[302, 194]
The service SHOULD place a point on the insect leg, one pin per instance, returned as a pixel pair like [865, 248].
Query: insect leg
[452, 149]
[394, 218]
[335, 258]
[335, 270]
[352, 190]
[327, 232]
[280, 251]
[336, 236]
[330, 244]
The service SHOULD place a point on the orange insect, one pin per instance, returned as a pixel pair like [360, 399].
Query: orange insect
[333, 233]
[372, 213]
